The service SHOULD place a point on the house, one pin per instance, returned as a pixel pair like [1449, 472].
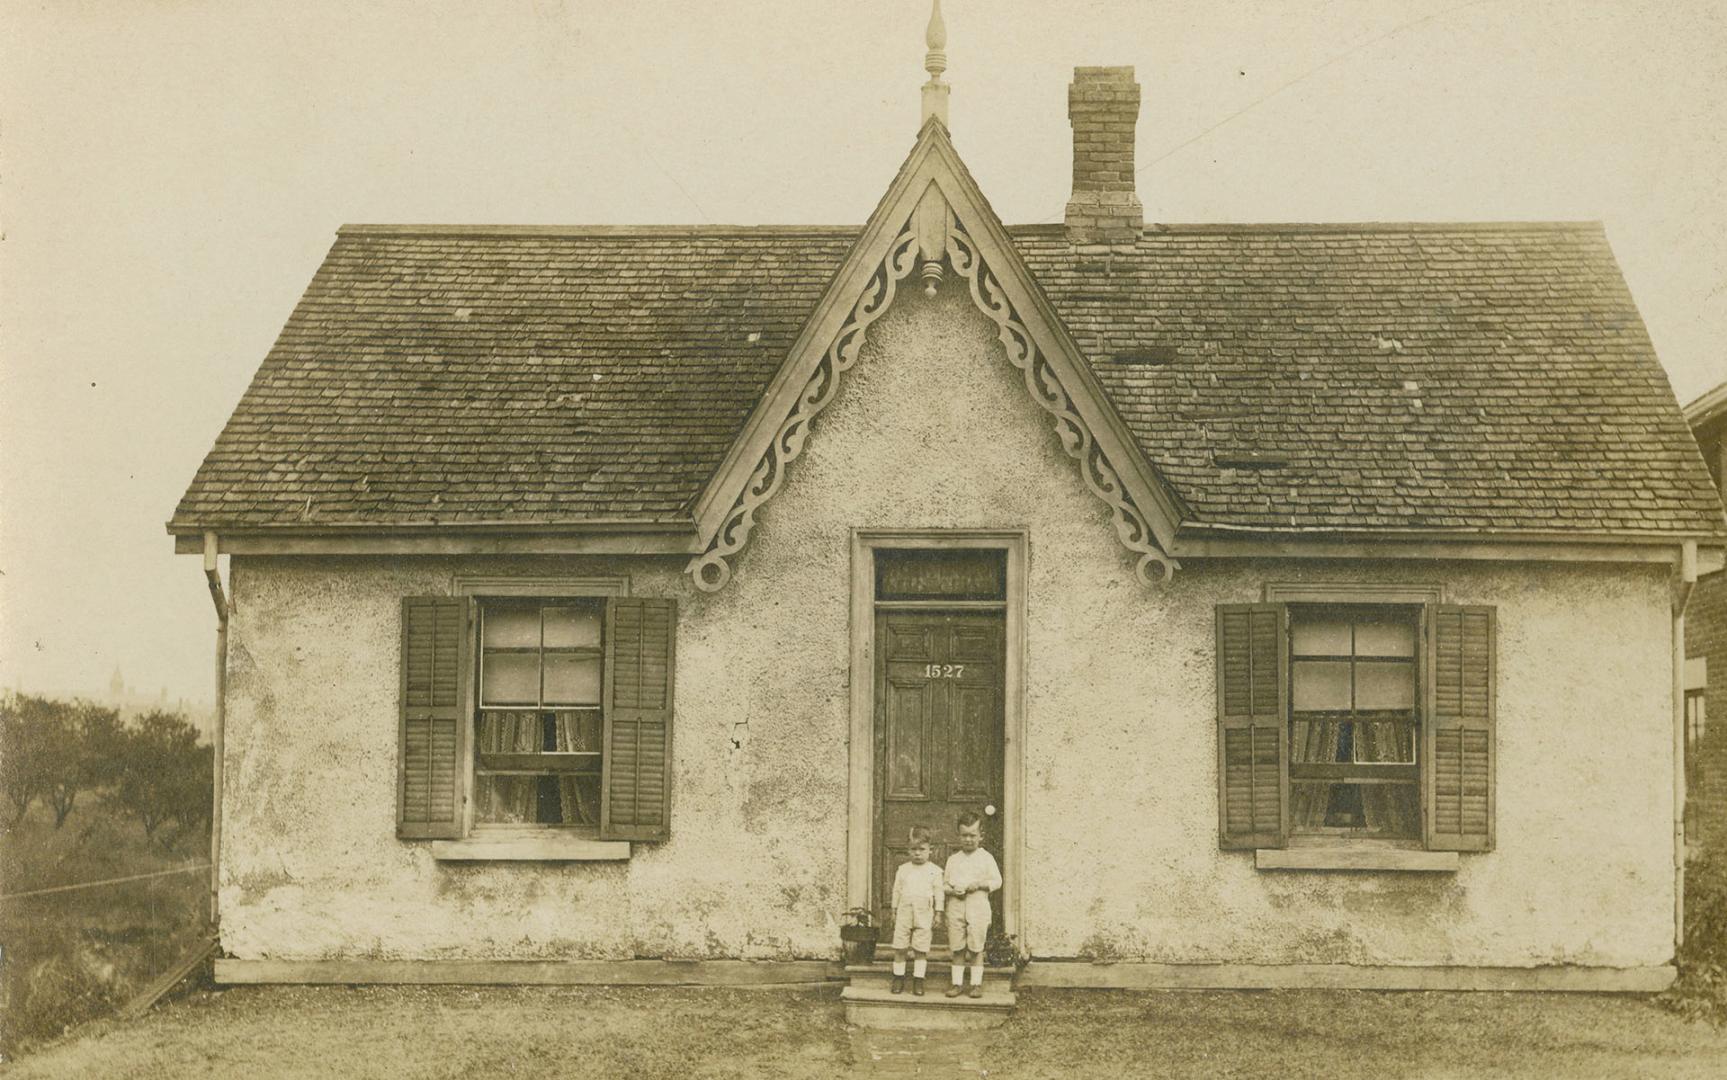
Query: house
[1706, 649]
[1298, 604]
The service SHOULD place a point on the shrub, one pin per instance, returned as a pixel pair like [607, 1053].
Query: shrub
[1701, 990]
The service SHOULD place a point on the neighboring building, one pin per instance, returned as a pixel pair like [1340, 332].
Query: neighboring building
[1294, 601]
[1706, 656]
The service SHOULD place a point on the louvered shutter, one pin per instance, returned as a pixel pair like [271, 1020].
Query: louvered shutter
[635, 803]
[1459, 743]
[1252, 735]
[429, 752]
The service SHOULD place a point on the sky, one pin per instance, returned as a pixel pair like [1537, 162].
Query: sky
[173, 171]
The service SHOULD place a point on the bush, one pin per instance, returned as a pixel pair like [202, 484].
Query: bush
[1701, 990]
[75, 956]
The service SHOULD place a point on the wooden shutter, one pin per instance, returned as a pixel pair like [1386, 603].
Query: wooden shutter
[1459, 743]
[1252, 728]
[635, 801]
[429, 751]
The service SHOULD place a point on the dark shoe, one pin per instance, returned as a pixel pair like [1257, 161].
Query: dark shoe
[955, 990]
[977, 990]
[898, 986]
[917, 986]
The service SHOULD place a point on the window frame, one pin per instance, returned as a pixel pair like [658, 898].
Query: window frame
[540, 764]
[1357, 772]
[524, 837]
[1345, 851]
[1696, 711]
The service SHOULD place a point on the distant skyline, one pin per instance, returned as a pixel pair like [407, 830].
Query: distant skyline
[172, 173]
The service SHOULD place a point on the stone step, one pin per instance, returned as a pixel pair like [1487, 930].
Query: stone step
[869, 1003]
[884, 969]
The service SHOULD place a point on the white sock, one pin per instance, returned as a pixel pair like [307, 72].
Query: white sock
[977, 974]
[898, 968]
[919, 966]
[959, 972]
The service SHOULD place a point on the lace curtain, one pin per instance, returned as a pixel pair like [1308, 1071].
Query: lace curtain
[516, 799]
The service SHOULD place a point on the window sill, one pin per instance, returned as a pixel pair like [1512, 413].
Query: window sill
[531, 845]
[1345, 857]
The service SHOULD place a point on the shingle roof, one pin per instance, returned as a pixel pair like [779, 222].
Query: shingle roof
[511, 375]
[1455, 377]
[1491, 378]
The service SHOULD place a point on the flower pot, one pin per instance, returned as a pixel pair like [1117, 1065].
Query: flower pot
[859, 943]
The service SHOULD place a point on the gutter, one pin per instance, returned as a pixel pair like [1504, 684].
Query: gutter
[1681, 599]
[220, 599]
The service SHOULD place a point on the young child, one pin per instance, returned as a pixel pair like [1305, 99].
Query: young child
[917, 902]
[971, 876]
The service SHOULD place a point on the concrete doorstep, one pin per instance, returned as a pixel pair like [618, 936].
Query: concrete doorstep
[870, 1002]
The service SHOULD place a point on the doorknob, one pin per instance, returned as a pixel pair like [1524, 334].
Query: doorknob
[990, 810]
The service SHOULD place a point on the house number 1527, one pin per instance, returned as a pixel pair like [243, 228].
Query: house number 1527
[943, 671]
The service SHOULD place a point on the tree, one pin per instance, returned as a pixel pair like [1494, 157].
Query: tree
[24, 720]
[163, 775]
[77, 753]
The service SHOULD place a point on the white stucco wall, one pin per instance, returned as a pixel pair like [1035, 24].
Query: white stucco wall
[933, 429]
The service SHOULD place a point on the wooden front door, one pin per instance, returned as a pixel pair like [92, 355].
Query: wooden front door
[938, 736]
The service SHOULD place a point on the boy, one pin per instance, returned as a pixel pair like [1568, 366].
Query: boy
[917, 899]
[971, 876]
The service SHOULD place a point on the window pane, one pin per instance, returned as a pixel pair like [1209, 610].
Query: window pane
[507, 733]
[572, 679]
[579, 799]
[1384, 741]
[1321, 685]
[572, 627]
[946, 575]
[1320, 637]
[579, 731]
[512, 628]
[506, 800]
[1384, 686]
[1383, 810]
[1319, 741]
[1373, 638]
[510, 679]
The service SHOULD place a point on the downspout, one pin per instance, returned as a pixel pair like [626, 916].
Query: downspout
[1681, 598]
[221, 601]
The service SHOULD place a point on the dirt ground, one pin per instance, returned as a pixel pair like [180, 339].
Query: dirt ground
[260, 1032]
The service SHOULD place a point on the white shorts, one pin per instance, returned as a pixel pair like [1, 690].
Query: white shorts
[968, 921]
[911, 928]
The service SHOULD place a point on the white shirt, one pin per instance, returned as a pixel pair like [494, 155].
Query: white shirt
[919, 887]
[968, 870]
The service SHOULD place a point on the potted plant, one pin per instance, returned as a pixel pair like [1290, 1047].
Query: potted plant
[1001, 950]
[858, 934]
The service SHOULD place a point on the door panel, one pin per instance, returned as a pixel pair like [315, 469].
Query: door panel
[939, 735]
[908, 754]
[974, 724]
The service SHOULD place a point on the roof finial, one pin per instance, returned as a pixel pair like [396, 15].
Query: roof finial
[935, 62]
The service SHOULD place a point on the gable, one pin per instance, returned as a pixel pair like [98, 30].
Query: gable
[935, 221]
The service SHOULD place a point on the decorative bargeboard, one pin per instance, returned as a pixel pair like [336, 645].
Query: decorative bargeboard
[931, 235]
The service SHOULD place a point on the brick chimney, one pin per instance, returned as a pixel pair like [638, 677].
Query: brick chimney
[1103, 106]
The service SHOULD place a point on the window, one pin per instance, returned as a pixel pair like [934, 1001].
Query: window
[539, 714]
[537, 748]
[1353, 721]
[1348, 721]
[1696, 725]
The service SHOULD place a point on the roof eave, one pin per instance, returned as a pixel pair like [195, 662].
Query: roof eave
[1198, 540]
[594, 537]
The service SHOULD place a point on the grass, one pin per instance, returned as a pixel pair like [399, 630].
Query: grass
[664, 1032]
[75, 956]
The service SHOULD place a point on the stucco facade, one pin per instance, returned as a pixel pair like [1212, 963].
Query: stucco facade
[934, 430]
